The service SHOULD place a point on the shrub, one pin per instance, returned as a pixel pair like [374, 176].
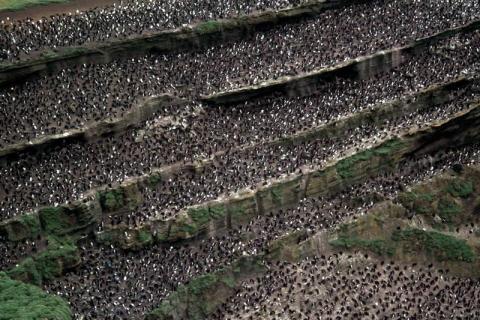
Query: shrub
[22, 301]
[112, 200]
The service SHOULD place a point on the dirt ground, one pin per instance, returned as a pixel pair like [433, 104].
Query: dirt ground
[38, 12]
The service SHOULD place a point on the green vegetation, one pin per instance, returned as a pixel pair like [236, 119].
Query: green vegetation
[144, 237]
[377, 246]
[443, 202]
[26, 271]
[419, 202]
[200, 215]
[54, 220]
[202, 295]
[112, 200]
[208, 26]
[51, 263]
[26, 226]
[203, 215]
[188, 228]
[217, 211]
[441, 246]
[237, 211]
[229, 280]
[448, 210]
[345, 167]
[196, 220]
[460, 189]
[191, 298]
[438, 245]
[22, 4]
[32, 224]
[154, 179]
[22, 301]
[276, 192]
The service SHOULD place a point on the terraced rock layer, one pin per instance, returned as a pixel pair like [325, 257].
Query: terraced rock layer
[198, 35]
[105, 201]
[370, 232]
[96, 130]
[359, 68]
[212, 217]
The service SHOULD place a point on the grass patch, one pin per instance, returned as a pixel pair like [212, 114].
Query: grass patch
[15, 5]
[276, 194]
[201, 283]
[460, 189]
[345, 167]
[202, 295]
[237, 211]
[203, 215]
[442, 247]
[217, 211]
[377, 246]
[200, 216]
[208, 27]
[421, 203]
[154, 179]
[448, 210]
[22, 301]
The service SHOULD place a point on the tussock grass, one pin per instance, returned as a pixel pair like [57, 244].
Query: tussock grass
[15, 5]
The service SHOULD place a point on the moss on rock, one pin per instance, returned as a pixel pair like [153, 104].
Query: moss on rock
[54, 220]
[208, 27]
[60, 255]
[23, 227]
[111, 200]
[346, 167]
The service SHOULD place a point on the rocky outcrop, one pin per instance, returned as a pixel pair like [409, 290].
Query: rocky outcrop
[214, 216]
[83, 216]
[79, 217]
[194, 36]
[59, 257]
[370, 232]
[139, 113]
[202, 295]
[359, 68]
[422, 225]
